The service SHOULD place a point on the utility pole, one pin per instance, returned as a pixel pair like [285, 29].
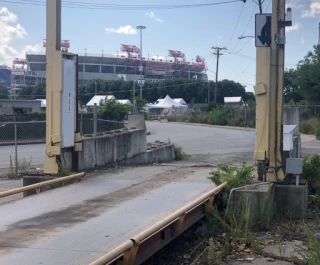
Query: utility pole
[218, 49]
[208, 91]
[141, 68]
[260, 6]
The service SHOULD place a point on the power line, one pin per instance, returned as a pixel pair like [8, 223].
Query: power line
[245, 29]
[242, 55]
[236, 25]
[87, 5]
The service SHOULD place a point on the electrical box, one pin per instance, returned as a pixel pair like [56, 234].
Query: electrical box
[294, 166]
[288, 135]
[68, 103]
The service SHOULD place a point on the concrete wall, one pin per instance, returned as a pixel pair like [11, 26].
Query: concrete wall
[7, 105]
[110, 149]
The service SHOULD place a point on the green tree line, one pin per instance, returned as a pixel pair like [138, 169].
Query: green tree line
[192, 91]
[302, 85]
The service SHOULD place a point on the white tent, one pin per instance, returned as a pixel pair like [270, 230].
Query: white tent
[99, 100]
[167, 105]
[180, 101]
[124, 101]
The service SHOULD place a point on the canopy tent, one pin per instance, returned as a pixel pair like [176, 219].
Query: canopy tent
[166, 105]
[99, 99]
[180, 101]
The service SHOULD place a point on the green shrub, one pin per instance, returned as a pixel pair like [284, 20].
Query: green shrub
[220, 115]
[233, 175]
[306, 128]
[311, 172]
[180, 154]
[317, 131]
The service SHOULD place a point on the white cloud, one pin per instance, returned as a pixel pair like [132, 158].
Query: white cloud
[153, 16]
[314, 9]
[122, 30]
[294, 27]
[295, 4]
[302, 40]
[10, 31]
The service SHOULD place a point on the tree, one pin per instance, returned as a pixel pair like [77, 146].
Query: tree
[291, 91]
[4, 93]
[114, 111]
[308, 78]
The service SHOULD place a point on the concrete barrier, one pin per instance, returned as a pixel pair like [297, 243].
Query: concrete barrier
[123, 147]
[112, 148]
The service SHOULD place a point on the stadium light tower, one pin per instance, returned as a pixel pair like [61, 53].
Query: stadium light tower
[141, 67]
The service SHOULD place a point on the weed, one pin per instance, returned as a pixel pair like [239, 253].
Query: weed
[233, 175]
[24, 165]
[179, 153]
[311, 253]
[214, 255]
[11, 169]
[311, 172]
[317, 131]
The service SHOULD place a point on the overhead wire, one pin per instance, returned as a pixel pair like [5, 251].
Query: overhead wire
[95, 5]
[234, 30]
[246, 27]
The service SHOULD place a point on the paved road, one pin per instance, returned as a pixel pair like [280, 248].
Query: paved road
[194, 139]
[77, 224]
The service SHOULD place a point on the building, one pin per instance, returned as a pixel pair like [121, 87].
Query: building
[234, 102]
[5, 76]
[8, 106]
[180, 101]
[125, 66]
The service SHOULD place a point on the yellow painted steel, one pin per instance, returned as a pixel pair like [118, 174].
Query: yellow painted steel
[37, 186]
[269, 91]
[53, 85]
[128, 248]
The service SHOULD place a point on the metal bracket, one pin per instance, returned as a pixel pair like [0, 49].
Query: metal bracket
[179, 226]
[129, 256]
[208, 204]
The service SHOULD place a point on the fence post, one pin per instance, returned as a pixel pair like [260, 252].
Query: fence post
[81, 118]
[15, 144]
[95, 119]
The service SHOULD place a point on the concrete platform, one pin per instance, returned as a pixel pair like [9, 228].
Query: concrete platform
[77, 224]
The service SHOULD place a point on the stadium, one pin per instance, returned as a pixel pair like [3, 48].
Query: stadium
[125, 66]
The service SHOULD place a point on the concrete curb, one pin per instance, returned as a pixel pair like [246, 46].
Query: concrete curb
[23, 142]
[215, 126]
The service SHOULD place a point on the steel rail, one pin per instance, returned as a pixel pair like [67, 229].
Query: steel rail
[126, 253]
[37, 186]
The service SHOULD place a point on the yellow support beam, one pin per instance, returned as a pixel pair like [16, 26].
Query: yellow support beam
[53, 85]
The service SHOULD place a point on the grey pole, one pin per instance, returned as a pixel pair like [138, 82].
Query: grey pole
[15, 144]
[95, 119]
[141, 28]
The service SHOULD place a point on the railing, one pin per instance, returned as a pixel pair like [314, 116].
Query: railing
[142, 246]
[37, 186]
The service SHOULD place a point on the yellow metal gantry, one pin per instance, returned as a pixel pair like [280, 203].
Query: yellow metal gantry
[269, 96]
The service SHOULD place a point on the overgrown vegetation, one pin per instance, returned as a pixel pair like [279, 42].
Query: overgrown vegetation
[114, 111]
[219, 115]
[311, 253]
[179, 153]
[311, 172]
[234, 176]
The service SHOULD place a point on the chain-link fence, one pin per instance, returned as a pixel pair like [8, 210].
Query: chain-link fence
[22, 144]
[309, 119]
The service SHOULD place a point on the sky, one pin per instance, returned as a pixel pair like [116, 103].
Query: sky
[190, 30]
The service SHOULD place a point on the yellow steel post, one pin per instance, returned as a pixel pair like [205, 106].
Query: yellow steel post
[275, 171]
[53, 85]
